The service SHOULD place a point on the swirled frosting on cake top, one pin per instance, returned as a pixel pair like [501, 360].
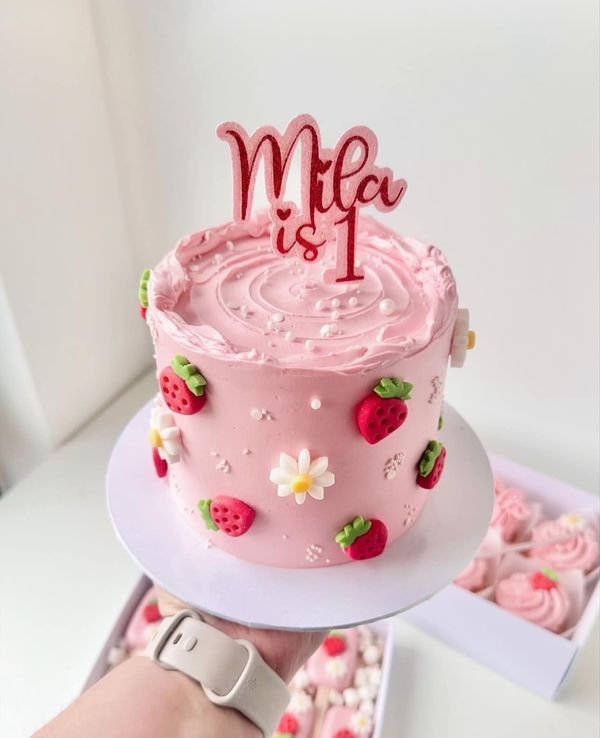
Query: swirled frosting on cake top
[227, 293]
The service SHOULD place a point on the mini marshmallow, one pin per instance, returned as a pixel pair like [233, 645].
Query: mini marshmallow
[351, 697]
[372, 655]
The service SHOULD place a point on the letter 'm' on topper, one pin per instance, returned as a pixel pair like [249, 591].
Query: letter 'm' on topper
[335, 184]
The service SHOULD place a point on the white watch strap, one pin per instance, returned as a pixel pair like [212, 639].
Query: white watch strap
[232, 672]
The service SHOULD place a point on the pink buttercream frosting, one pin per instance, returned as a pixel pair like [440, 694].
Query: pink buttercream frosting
[473, 577]
[286, 357]
[511, 512]
[566, 543]
[545, 607]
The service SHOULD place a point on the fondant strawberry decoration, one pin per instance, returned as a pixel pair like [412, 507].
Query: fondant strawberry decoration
[546, 579]
[363, 539]
[334, 644]
[287, 725]
[227, 514]
[160, 464]
[431, 465]
[143, 292]
[383, 410]
[182, 386]
[344, 733]
[151, 613]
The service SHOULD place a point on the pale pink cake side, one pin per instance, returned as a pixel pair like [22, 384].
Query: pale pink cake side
[286, 358]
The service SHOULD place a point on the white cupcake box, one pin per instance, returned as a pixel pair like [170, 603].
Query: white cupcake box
[524, 653]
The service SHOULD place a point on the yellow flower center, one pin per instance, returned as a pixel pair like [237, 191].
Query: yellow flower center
[155, 438]
[301, 483]
[471, 339]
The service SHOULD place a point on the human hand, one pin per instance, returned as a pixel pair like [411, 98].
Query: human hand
[284, 651]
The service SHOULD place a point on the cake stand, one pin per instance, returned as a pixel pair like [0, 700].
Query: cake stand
[412, 569]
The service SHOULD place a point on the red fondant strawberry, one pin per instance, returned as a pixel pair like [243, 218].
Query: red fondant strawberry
[143, 292]
[334, 644]
[228, 514]
[151, 612]
[546, 578]
[160, 464]
[383, 410]
[344, 733]
[287, 724]
[431, 465]
[182, 386]
[363, 539]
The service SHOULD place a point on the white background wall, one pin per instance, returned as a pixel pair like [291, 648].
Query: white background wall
[488, 109]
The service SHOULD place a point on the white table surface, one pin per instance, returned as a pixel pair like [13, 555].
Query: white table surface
[64, 578]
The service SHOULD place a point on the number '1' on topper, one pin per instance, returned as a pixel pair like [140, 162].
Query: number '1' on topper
[335, 184]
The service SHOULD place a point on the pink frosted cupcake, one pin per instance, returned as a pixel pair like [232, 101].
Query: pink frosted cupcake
[569, 542]
[511, 513]
[535, 596]
[474, 576]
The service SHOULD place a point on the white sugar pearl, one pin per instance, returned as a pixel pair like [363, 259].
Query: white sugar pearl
[315, 403]
[325, 330]
[351, 697]
[335, 315]
[278, 317]
[353, 301]
[309, 345]
[367, 692]
[229, 245]
[387, 306]
[367, 707]
[371, 655]
[320, 305]
[255, 413]
[290, 336]
[335, 302]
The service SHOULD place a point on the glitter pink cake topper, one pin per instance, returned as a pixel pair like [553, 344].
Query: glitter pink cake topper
[335, 183]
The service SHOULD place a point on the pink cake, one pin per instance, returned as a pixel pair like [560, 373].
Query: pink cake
[298, 415]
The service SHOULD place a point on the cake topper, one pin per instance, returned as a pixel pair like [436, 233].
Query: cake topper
[335, 184]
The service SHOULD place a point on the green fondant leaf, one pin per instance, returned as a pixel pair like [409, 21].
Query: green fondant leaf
[143, 288]
[388, 388]
[550, 573]
[189, 373]
[429, 457]
[352, 531]
[440, 422]
[283, 735]
[204, 507]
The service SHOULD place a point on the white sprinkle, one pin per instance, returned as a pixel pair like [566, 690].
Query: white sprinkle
[278, 317]
[284, 536]
[315, 403]
[218, 258]
[232, 306]
[214, 453]
[387, 306]
[328, 561]
[335, 302]
[309, 345]
[353, 301]
[246, 451]
[290, 336]
[256, 414]
[229, 245]
[325, 330]
[335, 314]
[270, 324]
[209, 543]
[320, 305]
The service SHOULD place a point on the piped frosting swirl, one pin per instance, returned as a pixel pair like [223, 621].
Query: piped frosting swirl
[228, 294]
[545, 607]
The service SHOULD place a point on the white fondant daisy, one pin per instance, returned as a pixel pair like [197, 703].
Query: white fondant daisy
[336, 667]
[165, 435]
[462, 338]
[361, 723]
[573, 522]
[302, 477]
[300, 703]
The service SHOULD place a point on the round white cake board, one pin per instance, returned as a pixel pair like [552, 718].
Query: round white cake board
[421, 562]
